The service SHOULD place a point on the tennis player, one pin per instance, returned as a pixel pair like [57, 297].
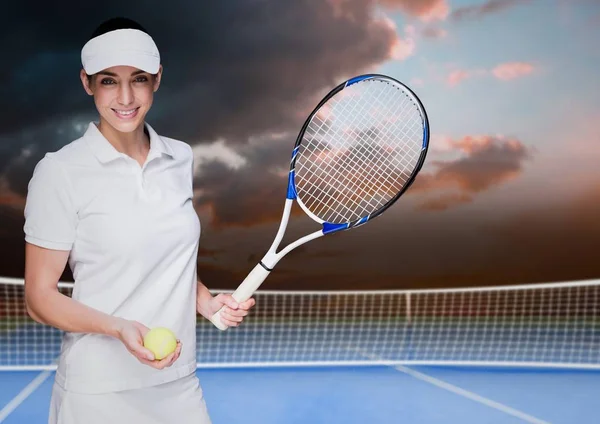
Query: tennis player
[116, 204]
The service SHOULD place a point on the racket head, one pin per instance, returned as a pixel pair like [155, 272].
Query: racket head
[358, 151]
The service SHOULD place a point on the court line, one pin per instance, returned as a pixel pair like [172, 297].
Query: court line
[459, 391]
[23, 395]
[470, 395]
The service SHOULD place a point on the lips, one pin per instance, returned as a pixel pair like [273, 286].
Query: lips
[126, 114]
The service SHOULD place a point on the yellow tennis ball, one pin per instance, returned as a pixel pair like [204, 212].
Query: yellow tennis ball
[160, 341]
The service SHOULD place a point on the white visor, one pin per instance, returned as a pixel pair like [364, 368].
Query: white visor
[122, 47]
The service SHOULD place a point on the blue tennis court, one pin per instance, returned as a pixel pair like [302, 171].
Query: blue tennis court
[481, 355]
[362, 394]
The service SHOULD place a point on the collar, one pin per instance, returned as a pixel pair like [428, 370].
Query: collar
[105, 152]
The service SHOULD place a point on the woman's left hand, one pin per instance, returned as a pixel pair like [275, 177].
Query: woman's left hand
[233, 312]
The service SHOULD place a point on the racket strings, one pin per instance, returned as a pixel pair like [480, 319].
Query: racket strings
[358, 151]
[360, 191]
[349, 161]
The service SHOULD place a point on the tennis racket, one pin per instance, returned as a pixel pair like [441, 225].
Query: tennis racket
[358, 151]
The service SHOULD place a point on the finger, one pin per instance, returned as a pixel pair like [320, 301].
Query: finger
[231, 321]
[142, 353]
[147, 362]
[166, 361]
[177, 351]
[143, 329]
[145, 352]
[176, 356]
[171, 358]
[247, 304]
[234, 312]
[236, 315]
[228, 300]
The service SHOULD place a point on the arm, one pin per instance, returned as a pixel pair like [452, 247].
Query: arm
[46, 305]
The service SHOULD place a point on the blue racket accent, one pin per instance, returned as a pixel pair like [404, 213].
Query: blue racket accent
[332, 228]
[425, 135]
[362, 220]
[291, 191]
[295, 152]
[357, 79]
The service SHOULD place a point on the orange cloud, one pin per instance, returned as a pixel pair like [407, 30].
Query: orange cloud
[512, 70]
[504, 71]
[401, 47]
[426, 10]
[456, 77]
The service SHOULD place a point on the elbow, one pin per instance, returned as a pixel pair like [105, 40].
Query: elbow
[31, 309]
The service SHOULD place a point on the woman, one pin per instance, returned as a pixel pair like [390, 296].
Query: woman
[117, 205]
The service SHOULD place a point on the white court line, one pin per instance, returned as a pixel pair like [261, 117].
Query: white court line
[23, 395]
[470, 395]
[459, 391]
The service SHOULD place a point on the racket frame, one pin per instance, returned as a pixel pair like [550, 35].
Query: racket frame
[261, 271]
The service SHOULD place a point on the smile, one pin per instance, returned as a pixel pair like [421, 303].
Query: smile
[126, 114]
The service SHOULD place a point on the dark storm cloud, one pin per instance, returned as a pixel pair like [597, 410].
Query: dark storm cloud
[232, 69]
[251, 194]
[488, 161]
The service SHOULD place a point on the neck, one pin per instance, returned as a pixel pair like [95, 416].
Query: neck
[134, 144]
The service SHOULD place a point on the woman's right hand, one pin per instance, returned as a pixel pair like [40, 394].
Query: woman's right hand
[131, 334]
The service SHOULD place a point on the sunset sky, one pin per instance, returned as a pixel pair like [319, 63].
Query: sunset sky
[510, 190]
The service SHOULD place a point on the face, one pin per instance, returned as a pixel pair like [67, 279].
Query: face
[123, 95]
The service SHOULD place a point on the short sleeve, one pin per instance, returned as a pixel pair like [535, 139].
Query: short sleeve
[50, 215]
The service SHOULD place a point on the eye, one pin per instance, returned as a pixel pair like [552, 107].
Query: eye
[141, 78]
[107, 81]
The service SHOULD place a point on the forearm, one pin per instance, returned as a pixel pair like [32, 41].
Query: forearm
[203, 297]
[52, 308]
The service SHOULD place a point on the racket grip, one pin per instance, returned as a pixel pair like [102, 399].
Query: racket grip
[244, 292]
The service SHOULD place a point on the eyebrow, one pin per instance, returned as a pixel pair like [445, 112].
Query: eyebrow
[112, 74]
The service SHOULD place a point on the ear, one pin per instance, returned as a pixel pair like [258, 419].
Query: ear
[157, 78]
[86, 84]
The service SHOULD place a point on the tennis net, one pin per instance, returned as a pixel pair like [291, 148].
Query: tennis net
[555, 325]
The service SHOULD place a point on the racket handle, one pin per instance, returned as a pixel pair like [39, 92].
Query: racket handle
[244, 292]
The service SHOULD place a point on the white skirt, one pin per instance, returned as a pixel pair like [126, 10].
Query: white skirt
[180, 401]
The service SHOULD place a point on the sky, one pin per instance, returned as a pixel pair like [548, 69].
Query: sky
[510, 190]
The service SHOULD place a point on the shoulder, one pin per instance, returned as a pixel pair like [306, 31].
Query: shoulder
[59, 161]
[72, 153]
[181, 149]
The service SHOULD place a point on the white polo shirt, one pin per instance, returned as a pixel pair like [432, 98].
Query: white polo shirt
[133, 235]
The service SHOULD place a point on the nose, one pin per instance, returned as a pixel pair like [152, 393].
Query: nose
[125, 95]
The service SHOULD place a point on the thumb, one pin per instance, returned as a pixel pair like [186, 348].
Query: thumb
[143, 352]
[141, 328]
[138, 346]
[228, 300]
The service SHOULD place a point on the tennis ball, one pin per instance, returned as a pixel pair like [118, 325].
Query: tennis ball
[160, 341]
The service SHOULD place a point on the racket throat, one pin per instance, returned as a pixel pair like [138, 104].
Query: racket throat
[261, 263]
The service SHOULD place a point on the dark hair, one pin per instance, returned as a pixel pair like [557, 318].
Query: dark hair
[113, 24]
[116, 23]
